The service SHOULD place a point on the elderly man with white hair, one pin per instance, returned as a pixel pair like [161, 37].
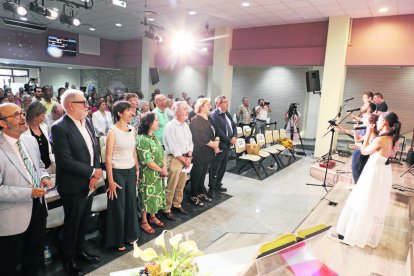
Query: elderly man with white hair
[77, 173]
[178, 143]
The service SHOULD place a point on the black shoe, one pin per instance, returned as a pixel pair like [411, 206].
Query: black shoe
[211, 193]
[204, 197]
[169, 216]
[221, 189]
[89, 258]
[180, 210]
[72, 268]
[196, 201]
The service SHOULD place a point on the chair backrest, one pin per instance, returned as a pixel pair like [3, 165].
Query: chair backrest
[247, 131]
[102, 141]
[239, 132]
[276, 135]
[240, 145]
[282, 133]
[268, 137]
[103, 154]
[260, 138]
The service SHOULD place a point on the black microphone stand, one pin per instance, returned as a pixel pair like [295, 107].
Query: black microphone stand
[331, 129]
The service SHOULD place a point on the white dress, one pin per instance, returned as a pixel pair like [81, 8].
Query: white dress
[362, 220]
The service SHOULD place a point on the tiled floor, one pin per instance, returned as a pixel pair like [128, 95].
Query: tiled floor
[274, 205]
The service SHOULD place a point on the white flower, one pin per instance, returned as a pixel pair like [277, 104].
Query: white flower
[174, 241]
[146, 255]
[188, 247]
[168, 265]
[160, 240]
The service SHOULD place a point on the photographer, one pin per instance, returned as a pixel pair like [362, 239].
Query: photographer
[292, 120]
[261, 115]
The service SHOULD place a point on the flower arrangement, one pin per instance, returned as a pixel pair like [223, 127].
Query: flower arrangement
[178, 261]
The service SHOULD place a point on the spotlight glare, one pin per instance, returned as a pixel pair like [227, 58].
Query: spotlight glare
[21, 10]
[76, 22]
[182, 43]
[53, 14]
[383, 10]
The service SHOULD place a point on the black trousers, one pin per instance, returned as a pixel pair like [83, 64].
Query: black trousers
[77, 208]
[122, 215]
[198, 175]
[218, 168]
[25, 248]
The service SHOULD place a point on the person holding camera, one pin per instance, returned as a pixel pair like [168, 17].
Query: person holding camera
[262, 110]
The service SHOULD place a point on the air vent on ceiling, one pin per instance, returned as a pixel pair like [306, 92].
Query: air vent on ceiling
[17, 24]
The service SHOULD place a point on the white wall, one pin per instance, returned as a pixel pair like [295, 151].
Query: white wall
[279, 85]
[58, 76]
[192, 80]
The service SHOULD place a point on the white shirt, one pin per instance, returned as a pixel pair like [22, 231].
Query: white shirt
[177, 138]
[262, 115]
[85, 134]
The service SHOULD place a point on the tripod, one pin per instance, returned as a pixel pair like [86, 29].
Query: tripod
[324, 185]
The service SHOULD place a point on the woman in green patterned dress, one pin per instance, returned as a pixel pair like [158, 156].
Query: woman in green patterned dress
[151, 189]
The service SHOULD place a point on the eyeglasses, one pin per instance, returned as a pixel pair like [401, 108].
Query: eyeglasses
[17, 115]
[85, 103]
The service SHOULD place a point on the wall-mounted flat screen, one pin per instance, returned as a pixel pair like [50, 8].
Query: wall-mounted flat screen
[66, 45]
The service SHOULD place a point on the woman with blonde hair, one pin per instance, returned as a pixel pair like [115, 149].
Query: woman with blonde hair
[205, 147]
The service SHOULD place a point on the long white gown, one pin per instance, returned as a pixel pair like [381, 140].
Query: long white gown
[362, 220]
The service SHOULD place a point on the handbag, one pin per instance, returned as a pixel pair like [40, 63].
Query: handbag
[253, 149]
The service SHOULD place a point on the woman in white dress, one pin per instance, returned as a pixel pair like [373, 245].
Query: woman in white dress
[362, 220]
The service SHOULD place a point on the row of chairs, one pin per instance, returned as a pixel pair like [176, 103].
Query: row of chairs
[269, 147]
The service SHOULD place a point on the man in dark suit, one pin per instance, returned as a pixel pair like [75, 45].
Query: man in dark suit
[77, 173]
[23, 179]
[227, 131]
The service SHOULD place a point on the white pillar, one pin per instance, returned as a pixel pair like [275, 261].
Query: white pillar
[222, 72]
[333, 80]
[147, 61]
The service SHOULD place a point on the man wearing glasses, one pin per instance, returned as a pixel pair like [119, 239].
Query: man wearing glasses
[23, 184]
[77, 173]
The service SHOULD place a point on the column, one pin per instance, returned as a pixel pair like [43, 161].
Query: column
[333, 80]
[222, 72]
[147, 61]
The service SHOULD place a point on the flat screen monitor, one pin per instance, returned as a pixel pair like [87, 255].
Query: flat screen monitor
[66, 45]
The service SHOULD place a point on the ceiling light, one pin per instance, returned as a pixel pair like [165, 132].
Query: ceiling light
[204, 49]
[70, 20]
[48, 13]
[150, 19]
[91, 29]
[192, 12]
[70, 68]
[14, 8]
[383, 10]
[182, 43]
[118, 24]
[152, 35]
[245, 4]
[23, 18]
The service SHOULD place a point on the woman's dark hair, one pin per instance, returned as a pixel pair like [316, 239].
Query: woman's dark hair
[100, 101]
[373, 118]
[35, 109]
[395, 126]
[292, 111]
[146, 123]
[120, 107]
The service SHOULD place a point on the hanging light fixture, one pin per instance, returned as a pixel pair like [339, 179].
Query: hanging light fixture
[42, 10]
[15, 7]
[69, 19]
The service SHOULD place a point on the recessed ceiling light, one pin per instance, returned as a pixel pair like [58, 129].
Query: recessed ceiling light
[383, 9]
[118, 24]
[150, 19]
[70, 68]
[192, 12]
[245, 4]
[204, 49]
[91, 29]
[23, 18]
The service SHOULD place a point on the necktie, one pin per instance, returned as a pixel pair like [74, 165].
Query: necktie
[29, 165]
[229, 130]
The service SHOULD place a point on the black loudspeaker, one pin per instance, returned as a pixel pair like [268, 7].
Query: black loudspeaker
[312, 81]
[155, 78]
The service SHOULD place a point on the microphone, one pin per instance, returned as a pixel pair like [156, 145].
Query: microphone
[359, 128]
[353, 109]
[332, 122]
[350, 99]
